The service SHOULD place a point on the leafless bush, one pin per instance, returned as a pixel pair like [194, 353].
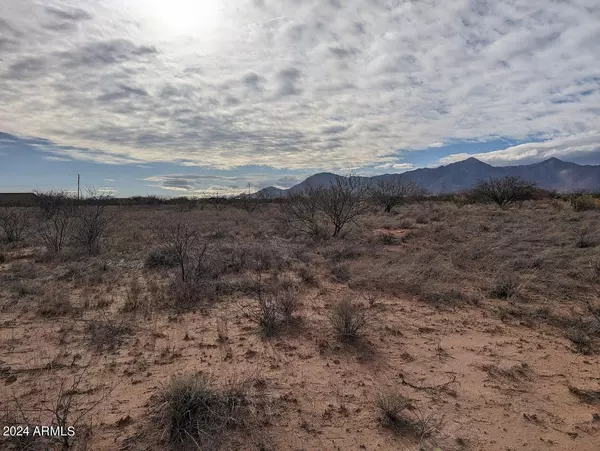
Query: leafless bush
[343, 202]
[348, 320]
[335, 206]
[57, 213]
[582, 233]
[161, 257]
[14, 222]
[105, 334]
[68, 413]
[504, 191]
[301, 212]
[196, 414]
[91, 221]
[390, 193]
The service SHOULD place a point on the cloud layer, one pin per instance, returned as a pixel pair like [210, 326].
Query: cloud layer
[297, 85]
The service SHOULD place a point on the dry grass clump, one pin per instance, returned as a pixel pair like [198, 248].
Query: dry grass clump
[197, 415]
[506, 286]
[161, 257]
[585, 395]
[584, 334]
[583, 202]
[107, 335]
[348, 320]
[398, 413]
[54, 303]
[275, 306]
[340, 272]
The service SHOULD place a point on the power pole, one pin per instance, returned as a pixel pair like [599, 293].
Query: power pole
[78, 191]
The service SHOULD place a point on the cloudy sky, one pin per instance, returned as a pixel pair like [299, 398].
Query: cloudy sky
[177, 97]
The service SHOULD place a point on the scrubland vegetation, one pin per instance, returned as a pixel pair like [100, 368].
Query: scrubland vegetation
[347, 317]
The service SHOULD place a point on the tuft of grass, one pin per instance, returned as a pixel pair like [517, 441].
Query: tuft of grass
[505, 287]
[107, 335]
[587, 396]
[391, 406]
[341, 272]
[196, 414]
[54, 303]
[161, 257]
[348, 320]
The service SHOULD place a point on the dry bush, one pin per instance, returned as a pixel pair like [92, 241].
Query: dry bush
[301, 212]
[195, 414]
[504, 191]
[14, 222]
[348, 320]
[57, 210]
[161, 257]
[54, 303]
[505, 286]
[391, 406]
[400, 414]
[91, 221]
[390, 193]
[583, 202]
[276, 305]
[341, 272]
[133, 296]
[587, 396]
[106, 334]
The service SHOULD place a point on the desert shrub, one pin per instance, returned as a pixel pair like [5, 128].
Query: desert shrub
[388, 238]
[391, 406]
[14, 222]
[161, 257]
[308, 275]
[91, 222]
[504, 191]
[582, 202]
[348, 320]
[57, 211]
[107, 335]
[443, 299]
[133, 296]
[332, 208]
[196, 414]
[275, 306]
[345, 252]
[54, 303]
[390, 193]
[341, 272]
[505, 286]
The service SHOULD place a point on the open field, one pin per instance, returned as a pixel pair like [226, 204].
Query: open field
[459, 328]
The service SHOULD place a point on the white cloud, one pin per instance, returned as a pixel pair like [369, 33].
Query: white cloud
[262, 87]
[577, 147]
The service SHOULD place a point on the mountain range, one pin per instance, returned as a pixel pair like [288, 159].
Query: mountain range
[551, 174]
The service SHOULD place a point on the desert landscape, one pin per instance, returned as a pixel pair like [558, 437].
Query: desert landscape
[443, 324]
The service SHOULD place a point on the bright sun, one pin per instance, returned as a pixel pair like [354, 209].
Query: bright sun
[185, 17]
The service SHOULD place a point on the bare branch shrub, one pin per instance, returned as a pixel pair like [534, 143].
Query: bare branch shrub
[14, 222]
[91, 221]
[301, 212]
[504, 191]
[343, 202]
[57, 210]
[390, 193]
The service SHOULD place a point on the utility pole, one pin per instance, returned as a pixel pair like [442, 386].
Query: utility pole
[78, 191]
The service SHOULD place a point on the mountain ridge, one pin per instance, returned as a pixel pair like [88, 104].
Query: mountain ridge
[552, 174]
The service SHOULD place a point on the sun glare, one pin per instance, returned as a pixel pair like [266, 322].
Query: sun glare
[186, 17]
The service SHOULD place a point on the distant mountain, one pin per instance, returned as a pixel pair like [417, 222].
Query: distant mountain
[551, 174]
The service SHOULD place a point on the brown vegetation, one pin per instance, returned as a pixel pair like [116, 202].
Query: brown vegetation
[314, 323]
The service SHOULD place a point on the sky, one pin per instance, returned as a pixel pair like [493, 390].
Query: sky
[190, 97]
